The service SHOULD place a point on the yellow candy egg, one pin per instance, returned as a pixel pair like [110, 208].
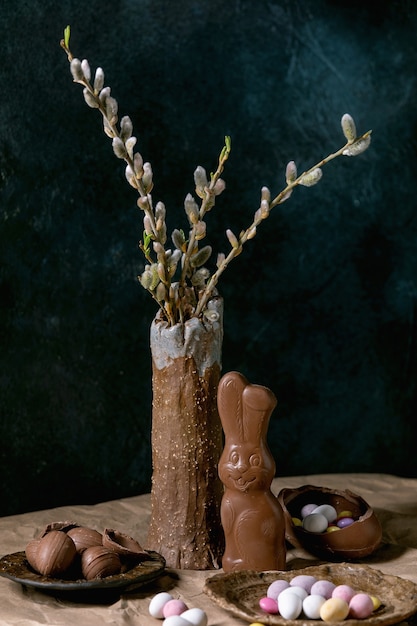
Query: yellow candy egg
[296, 521]
[331, 529]
[376, 602]
[334, 610]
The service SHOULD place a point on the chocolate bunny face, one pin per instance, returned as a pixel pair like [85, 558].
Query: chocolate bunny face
[245, 468]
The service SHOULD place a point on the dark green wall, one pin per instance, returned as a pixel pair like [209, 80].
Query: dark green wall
[320, 307]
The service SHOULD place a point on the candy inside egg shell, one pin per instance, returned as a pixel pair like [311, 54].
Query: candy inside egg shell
[355, 541]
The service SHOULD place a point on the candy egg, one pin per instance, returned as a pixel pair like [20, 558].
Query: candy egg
[174, 607]
[360, 606]
[323, 588]
[290, 605]
[376, 602]
[196, 617]
[344, 592]
[344, 522]
[269, 605]
[312, 605]
[327, 510]
[315, 523]
[157, 604]
[304, 581]
[307, 509]
[334, 610]
[175, 620]
[299, 591]
[276, 587]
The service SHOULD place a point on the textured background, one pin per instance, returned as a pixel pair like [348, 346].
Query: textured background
[320, 307]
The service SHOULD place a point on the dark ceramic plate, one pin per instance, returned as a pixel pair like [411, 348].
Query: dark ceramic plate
[15, 567]
[240, 592]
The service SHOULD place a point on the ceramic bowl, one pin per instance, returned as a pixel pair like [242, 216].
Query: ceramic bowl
[356, 541]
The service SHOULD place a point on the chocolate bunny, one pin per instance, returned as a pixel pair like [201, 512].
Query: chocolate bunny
[252, 518]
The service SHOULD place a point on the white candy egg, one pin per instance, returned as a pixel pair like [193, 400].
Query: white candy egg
[299, 591]
[290, 605]
[176, 620]
[327, 510]
[196, 617]
[312, 605]
[157, 604]
[315, 523]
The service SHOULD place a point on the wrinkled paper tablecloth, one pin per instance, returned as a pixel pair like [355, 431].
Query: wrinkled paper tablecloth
[393, 498]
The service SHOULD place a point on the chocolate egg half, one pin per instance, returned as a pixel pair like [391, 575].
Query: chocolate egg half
[353, 542]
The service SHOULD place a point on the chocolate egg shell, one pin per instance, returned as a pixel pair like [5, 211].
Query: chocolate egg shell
[125, 546]
[65, 526]
[353, 542]
[99, 562]
[55, 553]
[84, 538]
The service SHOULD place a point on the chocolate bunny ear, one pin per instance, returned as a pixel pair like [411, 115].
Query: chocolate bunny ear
[229, 402]
[258, 404]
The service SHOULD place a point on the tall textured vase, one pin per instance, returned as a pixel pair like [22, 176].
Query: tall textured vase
[186, 491]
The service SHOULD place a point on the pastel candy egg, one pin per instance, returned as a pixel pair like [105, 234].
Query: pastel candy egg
[290, 605]
[344, 522]
[175, 620]
[296, 521]
[304, 581]
[323, 588]
[344, 514]
[196, 617]
[174, 607]
[312, 605]
[276, 587]
[307, 509]
[376, 602]
[299, 591]
[327, 510]
[157, 604]
[361, 606]
[334, 610]
[332, 528]
[315, 523]
[344, 592]
[269, 605]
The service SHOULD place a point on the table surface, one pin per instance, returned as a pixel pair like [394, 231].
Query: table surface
[393, 499]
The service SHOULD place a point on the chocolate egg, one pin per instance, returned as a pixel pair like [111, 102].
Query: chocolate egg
[31, 552]
[84, 538]
[99, 562]
[125, 546]
[356, 541]
[54, 554]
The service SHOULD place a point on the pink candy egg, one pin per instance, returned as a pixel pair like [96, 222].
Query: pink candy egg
[174, 607]
[344, 592]
[361, 606]
[269, 605]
